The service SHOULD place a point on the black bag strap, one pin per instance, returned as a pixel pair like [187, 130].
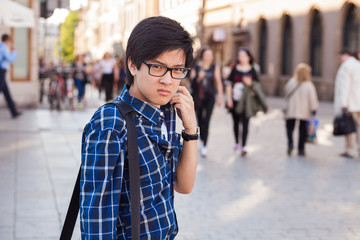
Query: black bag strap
[134, 166]
[72, 212]
[134, 171]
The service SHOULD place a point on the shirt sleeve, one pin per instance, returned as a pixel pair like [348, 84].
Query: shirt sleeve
[101, 178]
[9, 56]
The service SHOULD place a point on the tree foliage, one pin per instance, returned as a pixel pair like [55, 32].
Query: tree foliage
[67, 36]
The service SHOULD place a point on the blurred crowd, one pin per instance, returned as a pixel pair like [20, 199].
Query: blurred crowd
[236, 86]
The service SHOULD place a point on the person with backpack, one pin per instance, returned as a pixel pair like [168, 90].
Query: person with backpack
[155, 65]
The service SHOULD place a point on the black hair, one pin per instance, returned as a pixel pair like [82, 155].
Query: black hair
[345, 51]
[153, 36]
[4, 37]
[251, 61]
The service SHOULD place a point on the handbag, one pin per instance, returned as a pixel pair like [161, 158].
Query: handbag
[134, 172]
[344, 124]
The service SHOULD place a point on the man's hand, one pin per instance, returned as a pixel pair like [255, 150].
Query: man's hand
[184, 105]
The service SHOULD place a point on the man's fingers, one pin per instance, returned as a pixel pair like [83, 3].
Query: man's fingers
[184, 91]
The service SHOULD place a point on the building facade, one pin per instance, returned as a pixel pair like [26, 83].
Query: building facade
[105, 25]
[282, 34]
[22, 77]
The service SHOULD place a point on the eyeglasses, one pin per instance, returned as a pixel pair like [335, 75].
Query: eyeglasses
[157, 70]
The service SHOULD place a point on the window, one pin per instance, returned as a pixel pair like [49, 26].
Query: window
[286, 64]
[316, 43]
[351, 28]
[22, 40]
[262, 49]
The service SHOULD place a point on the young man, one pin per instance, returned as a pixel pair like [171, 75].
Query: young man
[7, 56]
[159, 54]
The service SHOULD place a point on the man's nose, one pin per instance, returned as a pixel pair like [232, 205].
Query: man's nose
[167, 79]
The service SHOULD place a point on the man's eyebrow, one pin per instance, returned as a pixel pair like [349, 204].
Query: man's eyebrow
[161, 63]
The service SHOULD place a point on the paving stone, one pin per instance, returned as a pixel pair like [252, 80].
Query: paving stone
[265, 195]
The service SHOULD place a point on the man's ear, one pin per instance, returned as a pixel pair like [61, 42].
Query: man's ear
[132, 67]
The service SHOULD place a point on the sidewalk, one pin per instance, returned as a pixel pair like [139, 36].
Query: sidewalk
[266, 195]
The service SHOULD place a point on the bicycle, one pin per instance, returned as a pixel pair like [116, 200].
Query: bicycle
[61, 89]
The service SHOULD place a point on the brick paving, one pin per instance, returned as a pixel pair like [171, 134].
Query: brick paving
[266, 195]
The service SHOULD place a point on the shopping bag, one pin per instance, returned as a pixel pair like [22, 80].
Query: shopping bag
[311, 126]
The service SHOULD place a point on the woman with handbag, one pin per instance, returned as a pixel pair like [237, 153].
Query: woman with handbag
[302, 103]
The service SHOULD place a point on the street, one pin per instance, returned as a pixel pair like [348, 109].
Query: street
[263, 196]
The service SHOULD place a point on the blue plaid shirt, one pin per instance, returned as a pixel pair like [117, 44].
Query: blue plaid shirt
[104, 184]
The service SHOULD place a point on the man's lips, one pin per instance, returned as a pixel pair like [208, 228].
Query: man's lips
[163, 92]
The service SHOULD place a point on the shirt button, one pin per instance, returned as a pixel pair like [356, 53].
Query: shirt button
[162, 114]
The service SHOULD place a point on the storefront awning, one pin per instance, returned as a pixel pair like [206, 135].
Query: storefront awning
[13, 14]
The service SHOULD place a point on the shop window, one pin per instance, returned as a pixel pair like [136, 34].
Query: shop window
[22, 40]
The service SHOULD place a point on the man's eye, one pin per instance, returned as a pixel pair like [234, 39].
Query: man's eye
[178, 70]
[157, 67]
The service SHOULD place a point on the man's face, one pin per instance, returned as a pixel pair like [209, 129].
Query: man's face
[157, 91]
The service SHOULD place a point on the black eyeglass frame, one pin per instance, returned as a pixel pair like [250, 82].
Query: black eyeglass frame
[149, 65]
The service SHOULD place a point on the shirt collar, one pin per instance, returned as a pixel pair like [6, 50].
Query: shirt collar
[151, 113]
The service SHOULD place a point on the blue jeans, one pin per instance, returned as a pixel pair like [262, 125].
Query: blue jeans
[80, 85]
[4, 89]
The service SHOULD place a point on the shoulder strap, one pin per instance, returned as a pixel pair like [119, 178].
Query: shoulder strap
[293, 91]
[134, 171]
[134, 166]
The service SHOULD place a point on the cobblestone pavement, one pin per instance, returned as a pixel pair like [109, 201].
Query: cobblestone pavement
[266, 195]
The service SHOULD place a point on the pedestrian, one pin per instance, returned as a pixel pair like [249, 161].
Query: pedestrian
[302, 103]
[122, 75]
[7, 55]
[109, 73]
[43, 74]
[206, 84]
[80, 77]
[156, 63]
[347, 97]
[242, 73]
